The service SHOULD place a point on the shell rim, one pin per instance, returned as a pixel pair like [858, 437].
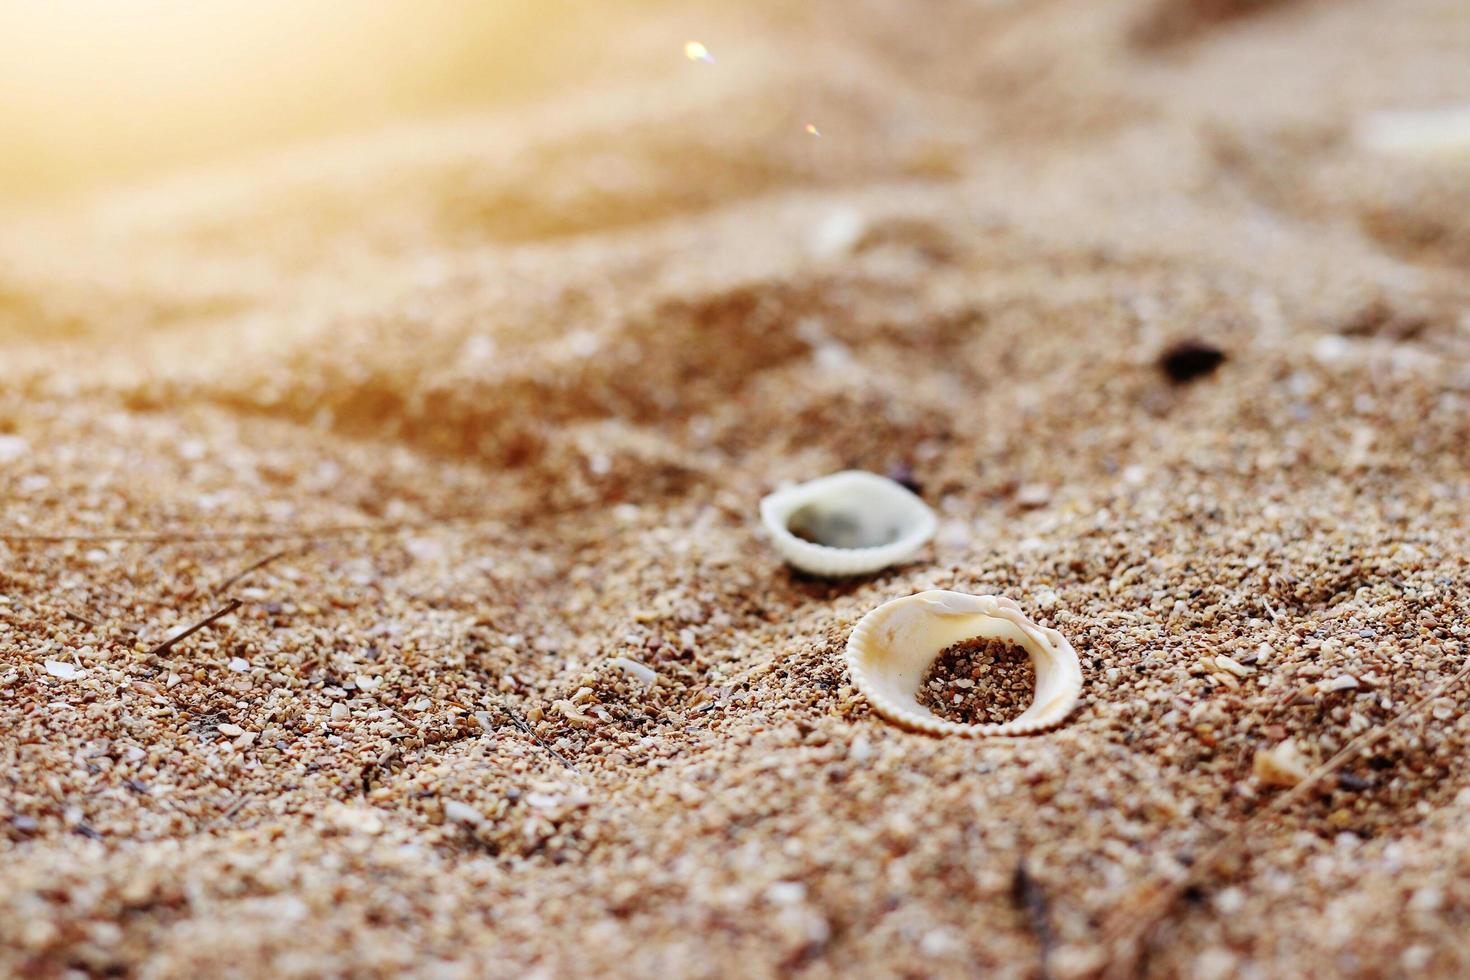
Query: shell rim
[899, 715]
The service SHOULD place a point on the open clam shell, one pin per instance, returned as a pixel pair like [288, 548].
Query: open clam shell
[893, 646]
[849, 523]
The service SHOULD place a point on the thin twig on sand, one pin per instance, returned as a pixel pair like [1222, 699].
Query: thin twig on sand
[274, 556]
[1126, 938]
[229, 811]
[525, 727]
[266, 534]
[229, 607]
[1031, 898]
[380, 765]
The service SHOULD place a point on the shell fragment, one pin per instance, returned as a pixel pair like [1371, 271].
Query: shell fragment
[849, 523]
[893, 646]
[1434, 133]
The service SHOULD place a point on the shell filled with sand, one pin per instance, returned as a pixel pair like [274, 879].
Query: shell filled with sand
[892, 648]
[849, 523]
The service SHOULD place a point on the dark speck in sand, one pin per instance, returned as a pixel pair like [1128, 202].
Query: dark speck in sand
[1189, 360]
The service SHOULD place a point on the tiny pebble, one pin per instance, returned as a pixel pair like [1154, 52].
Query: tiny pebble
[462, 813]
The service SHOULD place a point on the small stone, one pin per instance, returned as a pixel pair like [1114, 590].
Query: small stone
[571, 712]
[462, 813]
[347, 818]
[1416, 958]
[1230, 901]
[239, 665]
[36, 934]
[1033, 495]
[1232, 666]
[837, 233]
[12, 448]
[939, 942]
[1215, 964]
[1331, 348]
[1427, 899]
[233, 731]
[1281, 765]
[786, 893]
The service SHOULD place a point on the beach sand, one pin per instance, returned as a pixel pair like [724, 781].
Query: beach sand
[463, 411]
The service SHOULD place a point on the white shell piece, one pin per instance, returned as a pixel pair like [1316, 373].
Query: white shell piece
[893, 646]
[864, 523]
[1440, 132]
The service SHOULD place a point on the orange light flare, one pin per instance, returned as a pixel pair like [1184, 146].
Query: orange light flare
[95, 90]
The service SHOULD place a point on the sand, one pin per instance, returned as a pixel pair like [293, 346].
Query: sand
[980, 682]
[472, 417]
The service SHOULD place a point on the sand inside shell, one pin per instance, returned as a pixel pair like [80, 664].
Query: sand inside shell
[979, 682]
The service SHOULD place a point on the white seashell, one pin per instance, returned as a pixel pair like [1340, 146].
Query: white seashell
[894, 645]
[849, 523]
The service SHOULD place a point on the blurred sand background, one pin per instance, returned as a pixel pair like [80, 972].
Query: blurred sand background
[481, 330]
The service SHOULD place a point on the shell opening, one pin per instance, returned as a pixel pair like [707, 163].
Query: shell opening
[979, 682]
[838, 527]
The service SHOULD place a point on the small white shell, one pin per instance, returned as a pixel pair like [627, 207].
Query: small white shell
[891, 648]
[851, 523]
